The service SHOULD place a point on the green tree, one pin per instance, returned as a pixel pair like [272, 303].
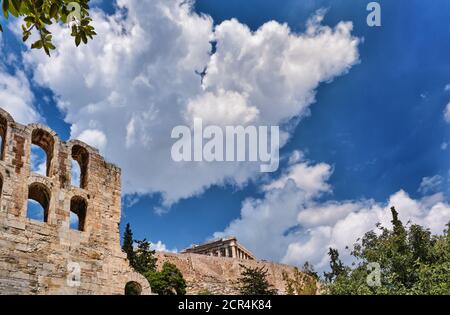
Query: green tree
[304, 281]
[127, 245]
[39, 14]
[168, 281]
[253, 281]
[411, 261]
[337, 267]
[144, 258]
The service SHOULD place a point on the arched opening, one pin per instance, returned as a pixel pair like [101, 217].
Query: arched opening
[78, 209]
[3, 128]
[38, 202]
[38, 161]
[80, 161]
[42, 144]
[1, 186]
[133, 288]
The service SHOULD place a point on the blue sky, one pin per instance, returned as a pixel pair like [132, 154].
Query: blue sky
[379, 126]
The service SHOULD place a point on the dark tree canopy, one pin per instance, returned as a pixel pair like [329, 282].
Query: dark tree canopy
[37, 15]
[127, 246]
[168, 281]
[411, 261]
[253, 281]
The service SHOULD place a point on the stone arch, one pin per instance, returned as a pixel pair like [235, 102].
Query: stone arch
[134, 277]
[81, 155]
[44, 138]
[133, 288]
[79, 206]
[42, 195]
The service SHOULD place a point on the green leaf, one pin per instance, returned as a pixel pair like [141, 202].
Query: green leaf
[16, 4]
[5, 7]
[77, 40]
[37, 45]
[53, 10]
[84, 38]
[39, 3]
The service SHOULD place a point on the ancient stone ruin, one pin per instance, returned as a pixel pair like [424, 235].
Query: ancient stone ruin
[49, 257]
[224, 247]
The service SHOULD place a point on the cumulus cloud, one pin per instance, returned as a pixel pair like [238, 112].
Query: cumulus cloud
[161, 247]
[310, 179]
[16, 96]
[447, 113]
[430, 184]
[15, 92]
[94, 137]
[129, 87]
[291, 225]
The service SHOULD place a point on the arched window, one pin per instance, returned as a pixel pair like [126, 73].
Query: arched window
[38, 161]
[80, 161]
[133, 288]
[78, 209]
[1, 186]
[38, 202]
[41, 151]
[3, 128]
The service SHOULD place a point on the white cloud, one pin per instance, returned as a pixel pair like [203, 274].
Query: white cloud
[447, 87]
[16, 96]
[224, 109]
[430, 184]
[94, 137]
[444, 145]
[139, 78]
[310, 179]
[295, 157]
[161, 247]
[15, 91]
[447, 113]
[288, 224]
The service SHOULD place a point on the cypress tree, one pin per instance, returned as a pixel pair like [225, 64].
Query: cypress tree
[127, 246]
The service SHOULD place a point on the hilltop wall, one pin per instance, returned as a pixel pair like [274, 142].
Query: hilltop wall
[218, 275]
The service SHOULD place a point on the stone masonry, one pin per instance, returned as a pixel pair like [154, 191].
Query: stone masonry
[219, 275]
[49, 257]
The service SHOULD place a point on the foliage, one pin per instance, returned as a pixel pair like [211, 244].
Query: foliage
[168, 281]
[144, 258]
[38, 15]
[127, 245]
[305, 282]
[253, 281]
[411, 260]
[205, 292]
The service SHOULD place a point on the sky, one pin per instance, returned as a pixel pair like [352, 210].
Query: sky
[364, 114]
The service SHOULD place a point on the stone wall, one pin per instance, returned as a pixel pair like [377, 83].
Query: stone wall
[49, 257]
[219, 275]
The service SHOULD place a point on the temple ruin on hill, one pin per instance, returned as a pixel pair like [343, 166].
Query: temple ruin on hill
[224, 247]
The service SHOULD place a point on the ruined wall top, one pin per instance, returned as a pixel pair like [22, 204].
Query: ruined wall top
[99, 184]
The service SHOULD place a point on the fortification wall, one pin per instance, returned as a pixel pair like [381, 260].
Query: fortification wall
[49, 257]
[219, 275]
